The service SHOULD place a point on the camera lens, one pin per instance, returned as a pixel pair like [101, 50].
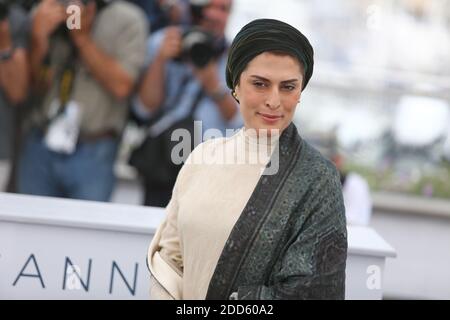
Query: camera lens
[198, 47]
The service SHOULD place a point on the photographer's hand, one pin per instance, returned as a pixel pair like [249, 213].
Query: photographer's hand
[105, 68]
[13, 67]
[171, 45]
[208, 77]
[88, 12]
[152, 90]
[48, 16]
[5, 36]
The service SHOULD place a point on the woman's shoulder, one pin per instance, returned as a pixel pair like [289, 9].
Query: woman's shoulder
[203, 149]
[313, 163]
[203, 154]
[210, 149]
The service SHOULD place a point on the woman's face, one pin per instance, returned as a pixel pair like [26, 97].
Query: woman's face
[269, 90]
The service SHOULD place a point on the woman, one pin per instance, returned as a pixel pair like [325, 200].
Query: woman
[236, 230]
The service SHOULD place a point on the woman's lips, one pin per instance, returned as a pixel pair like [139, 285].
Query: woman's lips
[269, 118]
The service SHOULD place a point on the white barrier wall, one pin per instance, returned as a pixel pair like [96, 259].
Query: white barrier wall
[68, 249]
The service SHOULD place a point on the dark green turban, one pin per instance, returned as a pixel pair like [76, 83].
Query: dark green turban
[263, 35]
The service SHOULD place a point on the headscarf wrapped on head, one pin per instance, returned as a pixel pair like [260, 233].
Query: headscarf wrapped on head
[264, 35]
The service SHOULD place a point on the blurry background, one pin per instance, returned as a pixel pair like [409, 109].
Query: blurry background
[379, 98]
[381, 86]
[380, 95]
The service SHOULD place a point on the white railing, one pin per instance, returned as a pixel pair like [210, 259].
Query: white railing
[68, 249]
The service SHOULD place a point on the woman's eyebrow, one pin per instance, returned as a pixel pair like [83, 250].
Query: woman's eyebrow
[265, 79]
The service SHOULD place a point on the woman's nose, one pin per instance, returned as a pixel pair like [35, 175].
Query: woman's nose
[273, 99]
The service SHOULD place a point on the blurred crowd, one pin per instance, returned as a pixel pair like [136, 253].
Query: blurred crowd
[71, 77]
[71, 80]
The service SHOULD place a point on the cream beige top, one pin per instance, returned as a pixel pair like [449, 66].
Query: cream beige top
[211, 191]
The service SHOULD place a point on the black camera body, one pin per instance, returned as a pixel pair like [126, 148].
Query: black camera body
[100, 3]
[66, 3]
[4, 9]
[199, 47]
[196, 9]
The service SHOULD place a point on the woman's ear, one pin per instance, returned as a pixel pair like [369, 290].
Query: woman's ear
[235, 95]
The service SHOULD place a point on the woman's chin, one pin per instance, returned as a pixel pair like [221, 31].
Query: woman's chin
[268, 131]
[263, 128]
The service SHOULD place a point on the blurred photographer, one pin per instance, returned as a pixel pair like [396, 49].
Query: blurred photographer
[162, 13]
[185, 81]
[13, 72]
[356, 192]
[82, 76]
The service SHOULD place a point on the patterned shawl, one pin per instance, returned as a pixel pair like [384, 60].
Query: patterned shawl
[290, 241]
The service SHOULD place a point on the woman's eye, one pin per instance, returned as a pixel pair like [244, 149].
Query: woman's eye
[289, 88]
[259, 84]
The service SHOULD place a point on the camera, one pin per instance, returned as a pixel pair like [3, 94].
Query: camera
[196, 8]
[199, 47]
[100, 3]
[62, 30]
[67, 3]
[4, 9]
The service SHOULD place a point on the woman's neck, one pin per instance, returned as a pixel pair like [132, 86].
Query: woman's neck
[261, 136]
